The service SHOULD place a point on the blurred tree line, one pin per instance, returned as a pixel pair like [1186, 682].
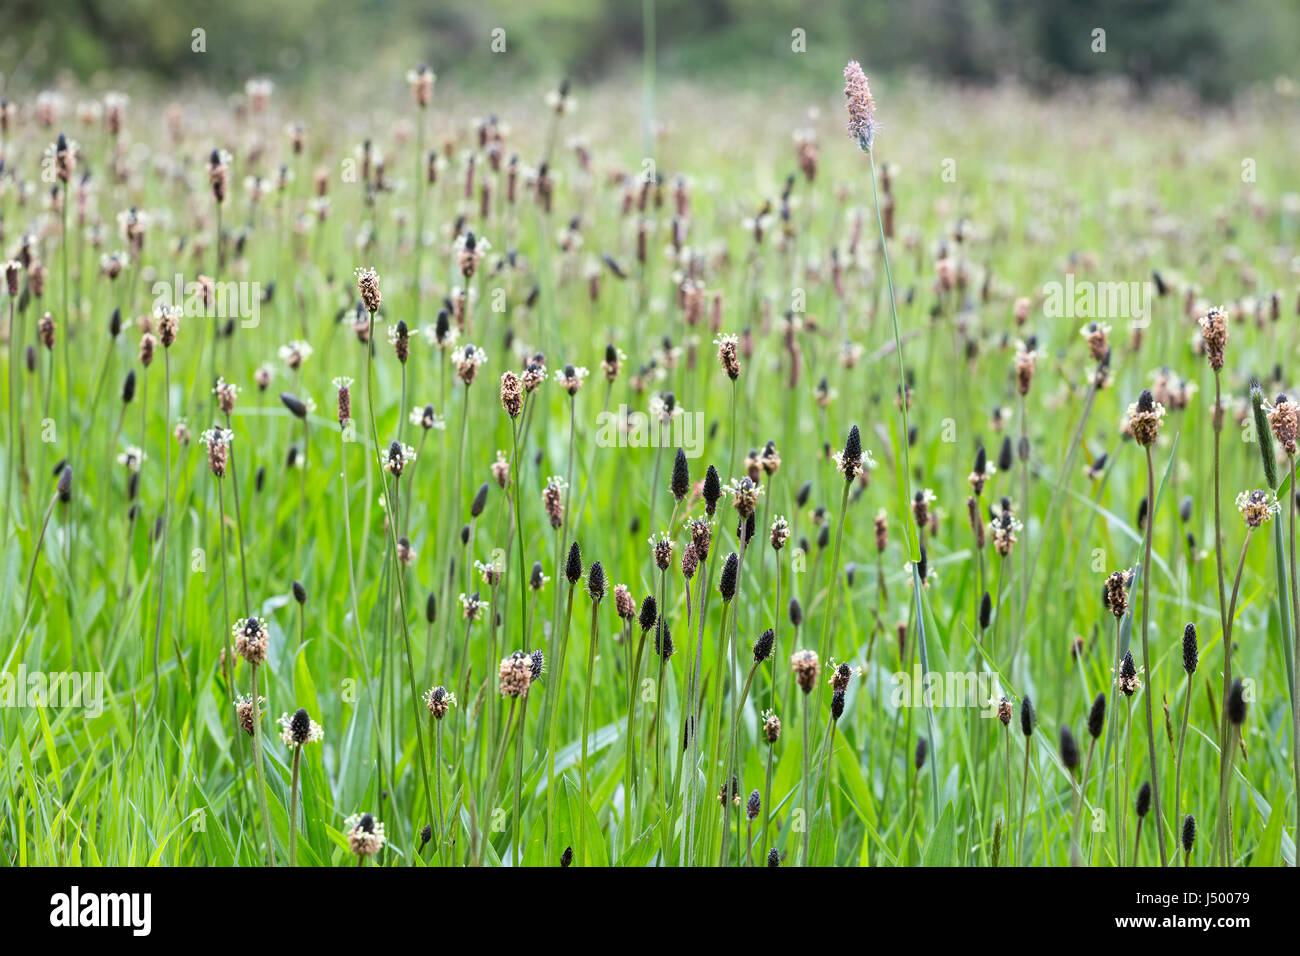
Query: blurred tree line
[1216, 47]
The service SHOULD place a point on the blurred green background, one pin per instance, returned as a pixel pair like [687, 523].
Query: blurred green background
[1216, 47]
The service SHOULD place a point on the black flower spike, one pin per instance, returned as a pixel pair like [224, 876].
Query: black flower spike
[480, 501]
[986, 611]
[773, 858]
[681, 483]
[754, 805]
[295, 405]
[64, 489]
[663, 640]
[596, 581]
[1127, 669]
[431, 608]
[981, 461]
[730, 570]
[805, 492]
[1189, 648]
[1069, 749]
[1189, 833]
[763, 646]
[300, 726]
[538, 664]
[922, 748]
[649, 613]
[573, 566]
[128, 387]
[796, 612]
[536, 579]
[115, 323]
[1027, 716]
[1185, 509]
[464, 534]
[299, 592]
[837, 705]
[1097, 716]
[1005, 457]
[1143, 800]
[1146, 402]
[712, 490]
[566, 858]
[1237, 703]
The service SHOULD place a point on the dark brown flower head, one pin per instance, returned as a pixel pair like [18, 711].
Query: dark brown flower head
[780, 533]
[690, 561]
[368, 287]
[764, 645]
[1115, 593]
[806, 668]
[624, 605]
[512, 394]
[753, 806]
[1144, 419]
[249, 713]
[712, 490]
[1190, 650]
[727, 581]
[553, 500]
[1027, 716]
[596, 581]
[1214, 336]
[1189, 833]
[861, 106]
[771, 726]
[1236, 705]
[1097, 716]
[1069, 749]
[1004, 711]
[1129, 681]
[701, 537]
[1143, 803]
[439, 700]
[681, 480]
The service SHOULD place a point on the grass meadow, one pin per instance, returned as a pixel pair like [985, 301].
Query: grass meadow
[409, 476]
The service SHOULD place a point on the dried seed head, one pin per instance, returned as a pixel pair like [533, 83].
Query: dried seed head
[515, 675]
[861, 107]
[661, 546]
[1097, 716]
[624, 604]
[806, 668]
[344, 386]
[249, 713]
[701, 538]
[1214, 336]
[512, 394]
[1115, 594]
[1189, 648]
[771, 726]
[553, 500]
[780, 533]
[728, 356]
[690, 561]
[368, 287]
